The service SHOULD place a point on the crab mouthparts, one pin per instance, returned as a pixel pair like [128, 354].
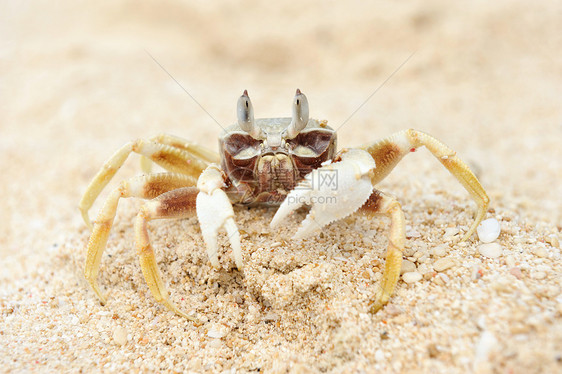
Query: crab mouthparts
[273, 140]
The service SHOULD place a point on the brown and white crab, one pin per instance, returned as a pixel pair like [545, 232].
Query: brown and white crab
[289, 162]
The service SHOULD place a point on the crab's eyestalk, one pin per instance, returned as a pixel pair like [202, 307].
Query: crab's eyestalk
[246, 116]
[300, 115]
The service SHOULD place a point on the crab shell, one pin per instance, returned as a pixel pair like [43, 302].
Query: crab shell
[264, 170]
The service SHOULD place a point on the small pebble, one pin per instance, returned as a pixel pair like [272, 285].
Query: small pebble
[488, 230]
[490, 250]
[407, 267]
[443, 264]
[538, 275]
[553, 241]
[379, 355]
[411, 277]
[418, 254]
[120, 335]
[440, 250]
[540, 252]
[215, 334]
[271, 317]
[450, 232]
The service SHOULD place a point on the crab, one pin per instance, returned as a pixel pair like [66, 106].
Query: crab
[284, 162]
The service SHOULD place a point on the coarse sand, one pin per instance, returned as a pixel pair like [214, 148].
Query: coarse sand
[78, 80]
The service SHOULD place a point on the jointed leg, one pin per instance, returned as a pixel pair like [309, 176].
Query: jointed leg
[380, 203]
[189, 160]
[174, 204]
[194, 149]
[389, 151]
[145, 186]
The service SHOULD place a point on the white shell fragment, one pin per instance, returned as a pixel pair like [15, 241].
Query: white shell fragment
[443, 264]
[407, 267]
[215, 334]
[411, 277]
[488, 230]
[120, 335]
[490, 250]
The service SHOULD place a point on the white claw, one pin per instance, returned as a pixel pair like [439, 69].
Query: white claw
[214, 211]
[334, 191]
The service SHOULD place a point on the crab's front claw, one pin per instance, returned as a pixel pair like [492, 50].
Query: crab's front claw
[334, 191]
[214, 211]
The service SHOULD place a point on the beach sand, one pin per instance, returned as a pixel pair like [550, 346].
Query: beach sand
[79, 80]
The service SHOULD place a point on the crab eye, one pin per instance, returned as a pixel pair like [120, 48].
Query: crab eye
[245, 112]
[300, 115]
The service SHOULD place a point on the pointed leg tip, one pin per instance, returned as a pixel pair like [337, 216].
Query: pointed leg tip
[298, 235]
[101, 297]
[276, 220]
[86, 219]
[196, 321]
[214, 263]
[239, 265]
[470, 232]
[307, 228]
[381, 299]
[376, 306]
[172, 307]
[92, 281]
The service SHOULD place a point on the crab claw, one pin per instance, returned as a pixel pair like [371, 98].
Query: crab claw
[214, 211]
[334, 191]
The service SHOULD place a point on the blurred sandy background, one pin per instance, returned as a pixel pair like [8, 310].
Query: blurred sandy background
[76, 82]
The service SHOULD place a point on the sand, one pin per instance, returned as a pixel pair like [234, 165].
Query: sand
[77, 82]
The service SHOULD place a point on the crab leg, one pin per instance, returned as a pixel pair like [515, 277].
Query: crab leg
[145, 186]
[172, 158]
[387, 152]
[379, 203]
[178, 203]
[214, 210]
[195, 150]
